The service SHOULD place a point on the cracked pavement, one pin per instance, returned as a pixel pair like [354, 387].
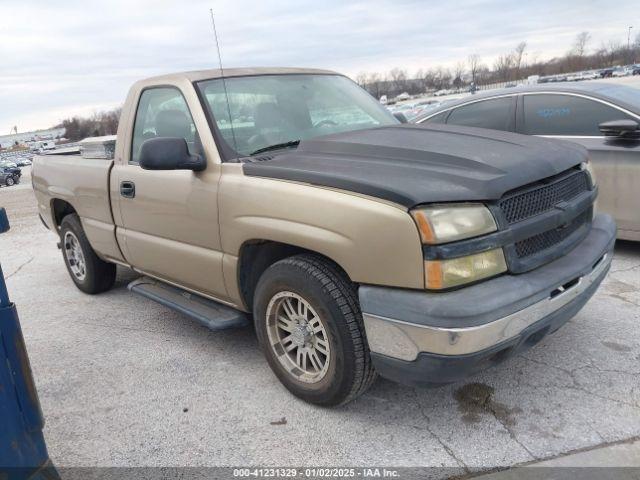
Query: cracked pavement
[116, 372]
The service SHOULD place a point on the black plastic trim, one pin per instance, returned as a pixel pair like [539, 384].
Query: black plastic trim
[432, 370]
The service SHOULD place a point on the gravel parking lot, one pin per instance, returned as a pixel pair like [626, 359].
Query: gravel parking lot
[126, 382]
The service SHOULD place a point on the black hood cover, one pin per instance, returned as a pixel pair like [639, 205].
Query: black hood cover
[414, 164]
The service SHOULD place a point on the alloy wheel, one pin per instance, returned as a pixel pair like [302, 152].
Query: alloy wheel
[298, 337]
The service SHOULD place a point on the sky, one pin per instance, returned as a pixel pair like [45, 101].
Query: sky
[70, 57]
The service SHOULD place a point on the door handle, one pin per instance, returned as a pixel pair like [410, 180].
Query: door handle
[128, 189]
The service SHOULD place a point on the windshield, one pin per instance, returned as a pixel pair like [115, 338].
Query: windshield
[279, 110]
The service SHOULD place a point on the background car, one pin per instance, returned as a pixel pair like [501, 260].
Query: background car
[573, 112]
[621, 72]
[6, 178]
[23, 162]
[12, 169]
[606, 72]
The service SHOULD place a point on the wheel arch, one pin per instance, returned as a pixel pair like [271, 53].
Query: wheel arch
[257, 255]
[60, 209]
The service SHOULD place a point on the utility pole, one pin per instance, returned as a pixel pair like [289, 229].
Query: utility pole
[629, 42]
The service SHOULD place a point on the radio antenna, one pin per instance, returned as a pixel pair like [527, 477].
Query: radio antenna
[224, 83]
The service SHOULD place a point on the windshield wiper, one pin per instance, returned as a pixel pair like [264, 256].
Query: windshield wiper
[276, 146]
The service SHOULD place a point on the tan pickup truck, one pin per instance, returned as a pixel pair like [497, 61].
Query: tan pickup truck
[355, 244]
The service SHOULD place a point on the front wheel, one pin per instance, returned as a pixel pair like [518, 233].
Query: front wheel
[310, 328]
[90, 273]
[9, 181]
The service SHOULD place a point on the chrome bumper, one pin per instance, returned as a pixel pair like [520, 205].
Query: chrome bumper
[402, 340]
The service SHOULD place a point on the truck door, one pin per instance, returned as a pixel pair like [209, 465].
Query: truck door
[167, 221]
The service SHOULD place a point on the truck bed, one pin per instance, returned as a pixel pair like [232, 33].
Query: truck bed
[84, 185]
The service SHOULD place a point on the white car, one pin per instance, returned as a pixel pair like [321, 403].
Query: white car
[592, 75]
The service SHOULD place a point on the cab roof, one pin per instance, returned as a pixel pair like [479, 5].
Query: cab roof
[197, 75]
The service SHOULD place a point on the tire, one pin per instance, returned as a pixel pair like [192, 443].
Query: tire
[330, 317]
[90, 274]
[9, 181]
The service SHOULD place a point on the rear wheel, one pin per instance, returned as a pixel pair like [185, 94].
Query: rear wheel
[309, 326]
[87, 270]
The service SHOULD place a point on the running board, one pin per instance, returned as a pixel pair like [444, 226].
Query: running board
[211, 314]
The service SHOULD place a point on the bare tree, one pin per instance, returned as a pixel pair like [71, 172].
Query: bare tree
[613, 49]
[100, 123]
[362, 79]
[482, 73]
[518, 55]
[419, 76]
[428, 79]
[398, 78]
[441, 78]
[502, 67]
[374, 82]
[474, 65]
[580, 44]
[458, 72]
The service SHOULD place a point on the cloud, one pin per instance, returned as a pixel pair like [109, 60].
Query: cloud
[72, 57]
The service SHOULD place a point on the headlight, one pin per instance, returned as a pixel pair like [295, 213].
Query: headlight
[588, 166]
[440, 274]
[448, 223]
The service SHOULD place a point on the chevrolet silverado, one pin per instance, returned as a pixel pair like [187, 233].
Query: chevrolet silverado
[355, 244]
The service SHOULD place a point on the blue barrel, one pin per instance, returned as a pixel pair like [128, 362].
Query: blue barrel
[23, 452]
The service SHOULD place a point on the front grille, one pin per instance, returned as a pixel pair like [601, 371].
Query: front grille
[542, 241]
[520, 210]
[534, 199]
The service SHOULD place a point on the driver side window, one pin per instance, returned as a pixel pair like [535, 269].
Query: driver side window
[162, 112]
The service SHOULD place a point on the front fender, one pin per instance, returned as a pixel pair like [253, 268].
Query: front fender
[374, 241]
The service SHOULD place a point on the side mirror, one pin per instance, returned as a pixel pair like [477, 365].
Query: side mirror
[619, 128]
[169, 153]
[401, 116]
